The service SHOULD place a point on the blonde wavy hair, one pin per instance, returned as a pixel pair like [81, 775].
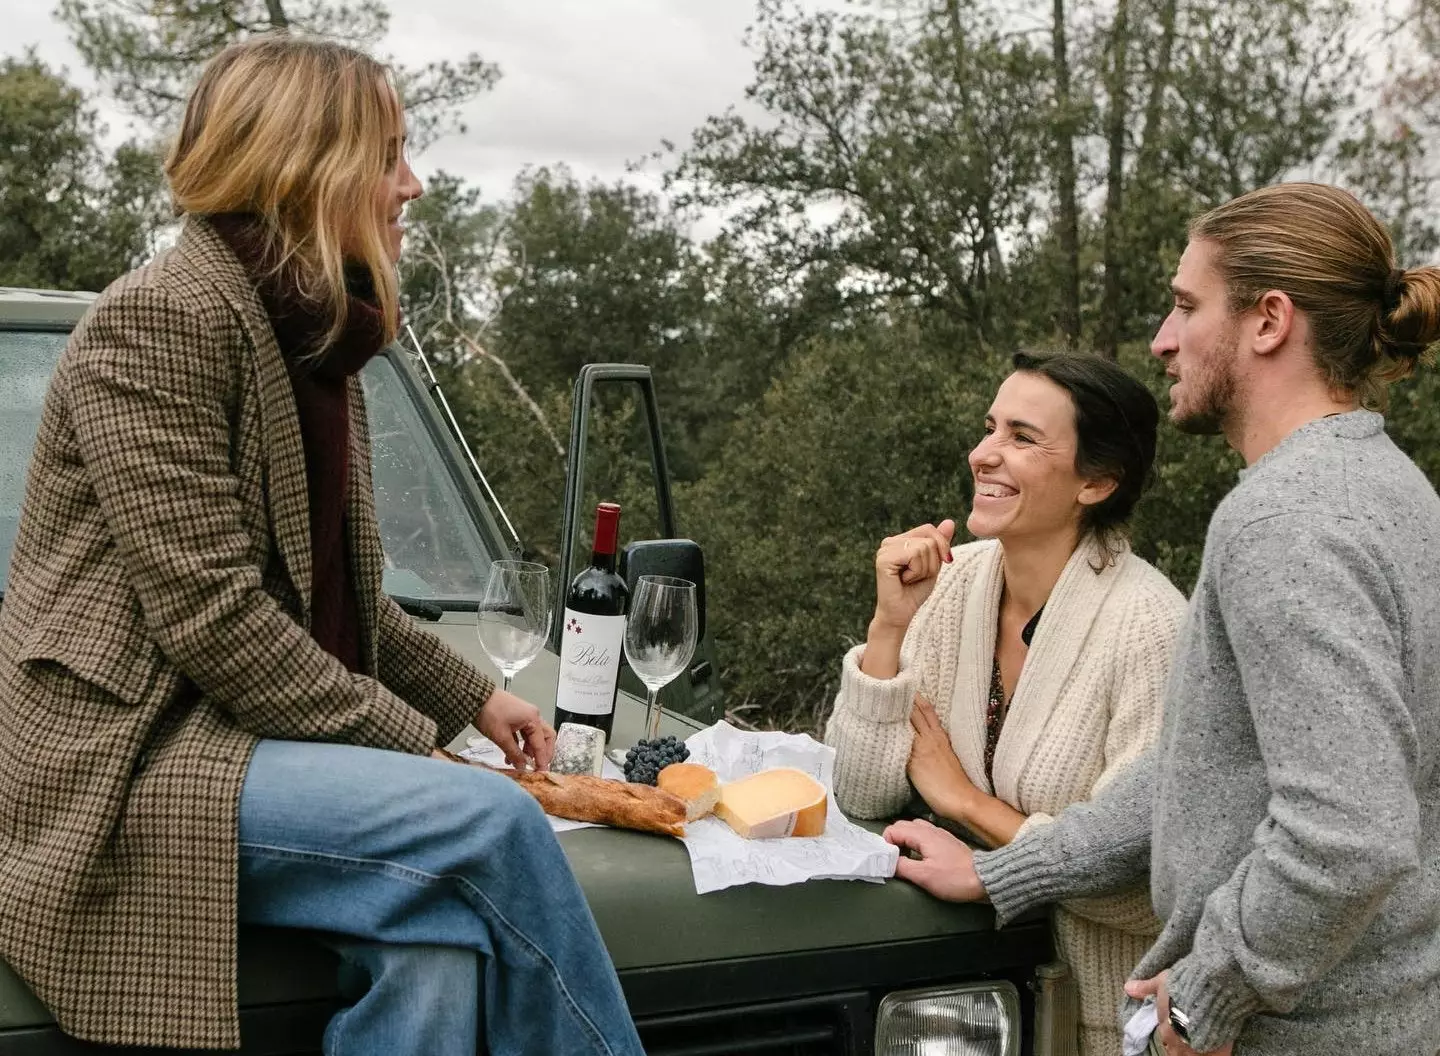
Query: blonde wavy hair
[1371, 321]
[299, 133]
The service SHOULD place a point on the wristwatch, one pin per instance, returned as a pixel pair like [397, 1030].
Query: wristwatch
[1180, 1023]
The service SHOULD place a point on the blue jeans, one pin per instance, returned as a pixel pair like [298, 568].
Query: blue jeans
[446, 894]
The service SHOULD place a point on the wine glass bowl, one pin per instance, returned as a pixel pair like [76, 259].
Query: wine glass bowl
[513, 619]
[660, 634]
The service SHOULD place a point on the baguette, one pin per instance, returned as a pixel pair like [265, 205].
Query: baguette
[581, 797]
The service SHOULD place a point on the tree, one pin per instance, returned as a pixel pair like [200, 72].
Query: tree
[149, 54]
[1115, 134]
[1067, 213]
[921, 145]
[69, 217]
[1387, 156]
[1237, 94]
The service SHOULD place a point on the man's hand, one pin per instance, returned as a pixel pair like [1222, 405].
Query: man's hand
[934, 769]
[516, 726]
[945, 868]
[1174, 1045]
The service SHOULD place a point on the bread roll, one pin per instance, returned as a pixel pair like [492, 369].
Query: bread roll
[697, 785]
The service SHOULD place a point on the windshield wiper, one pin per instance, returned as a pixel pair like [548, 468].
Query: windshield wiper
[419, 608]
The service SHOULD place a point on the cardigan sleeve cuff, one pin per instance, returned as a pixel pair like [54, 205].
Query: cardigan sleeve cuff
[881, 700]
[1022, 874]
[1215, 997]
[1031, 822]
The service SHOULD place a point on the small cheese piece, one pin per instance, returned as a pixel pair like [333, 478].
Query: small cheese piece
[697, 785]
[579, 749]
[779, 802]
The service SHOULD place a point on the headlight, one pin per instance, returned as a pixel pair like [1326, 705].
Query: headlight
[977, 1019]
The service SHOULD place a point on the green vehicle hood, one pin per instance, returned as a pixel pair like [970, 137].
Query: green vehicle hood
[642, 892]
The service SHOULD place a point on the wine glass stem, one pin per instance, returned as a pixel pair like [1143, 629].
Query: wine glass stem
[652, 713]
[505, 681]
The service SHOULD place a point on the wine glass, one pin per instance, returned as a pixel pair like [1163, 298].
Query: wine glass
[660, 633]
[513, 620]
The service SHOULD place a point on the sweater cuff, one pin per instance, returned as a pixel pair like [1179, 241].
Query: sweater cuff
[1022, 874]
[883, 700]
[1215, 997]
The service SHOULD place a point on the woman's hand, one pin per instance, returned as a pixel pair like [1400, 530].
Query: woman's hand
[906, 567]
[905, 570]
[934, 768]
[516, 726]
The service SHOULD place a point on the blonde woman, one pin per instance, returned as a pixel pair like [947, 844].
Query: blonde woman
[1006, 679]
[211, 713]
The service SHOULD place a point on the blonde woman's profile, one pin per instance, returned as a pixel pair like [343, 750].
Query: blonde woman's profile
[195, 599]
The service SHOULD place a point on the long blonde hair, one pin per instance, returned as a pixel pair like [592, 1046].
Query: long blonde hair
[299, 133]
[1371, 321]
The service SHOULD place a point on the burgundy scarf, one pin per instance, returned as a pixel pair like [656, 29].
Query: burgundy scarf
[319, 384]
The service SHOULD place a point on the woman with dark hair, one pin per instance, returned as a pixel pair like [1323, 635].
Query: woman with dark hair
[1005, 679]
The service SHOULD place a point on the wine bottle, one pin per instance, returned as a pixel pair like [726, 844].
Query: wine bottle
[592, 641]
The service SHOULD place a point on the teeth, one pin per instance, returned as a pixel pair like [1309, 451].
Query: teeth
[994, 491]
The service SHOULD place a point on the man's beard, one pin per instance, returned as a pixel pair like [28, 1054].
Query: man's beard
[1212, 392]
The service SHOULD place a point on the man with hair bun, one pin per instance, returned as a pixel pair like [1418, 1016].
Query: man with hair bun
[1289, 815]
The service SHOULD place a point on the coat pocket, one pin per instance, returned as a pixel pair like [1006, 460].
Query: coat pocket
[127, 668]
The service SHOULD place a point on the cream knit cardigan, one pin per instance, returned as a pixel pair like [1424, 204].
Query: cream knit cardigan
[1088, 700]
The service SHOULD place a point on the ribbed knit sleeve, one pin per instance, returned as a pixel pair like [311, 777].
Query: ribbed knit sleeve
[1091, 848]
[870, 725]
[871, 734]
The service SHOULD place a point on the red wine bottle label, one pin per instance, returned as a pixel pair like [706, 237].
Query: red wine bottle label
[589, 662]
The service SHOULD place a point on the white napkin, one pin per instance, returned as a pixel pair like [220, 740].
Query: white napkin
[1139, 1028]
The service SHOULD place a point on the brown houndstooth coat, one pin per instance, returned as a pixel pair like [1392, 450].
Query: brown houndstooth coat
[154, 629]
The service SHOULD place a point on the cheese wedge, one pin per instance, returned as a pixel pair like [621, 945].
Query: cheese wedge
[697, 785]
[779, 802]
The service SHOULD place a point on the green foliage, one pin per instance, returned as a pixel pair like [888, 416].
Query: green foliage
[452, 245]
[920, 146]
[69, 217]
[595, 274]
[1413, 419]
[861, 436]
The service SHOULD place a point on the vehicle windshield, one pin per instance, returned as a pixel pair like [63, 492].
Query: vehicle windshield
[434, 551]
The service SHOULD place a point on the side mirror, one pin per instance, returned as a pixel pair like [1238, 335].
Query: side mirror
[680, 558]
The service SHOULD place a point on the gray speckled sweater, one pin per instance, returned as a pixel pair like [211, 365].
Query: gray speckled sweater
[1290, 812]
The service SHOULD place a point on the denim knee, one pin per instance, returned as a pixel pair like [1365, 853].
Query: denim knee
[408, 999]
[432, 977]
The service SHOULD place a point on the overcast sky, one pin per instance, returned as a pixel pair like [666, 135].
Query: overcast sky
[591, 83]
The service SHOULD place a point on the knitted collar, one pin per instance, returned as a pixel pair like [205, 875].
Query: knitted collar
[300, 325]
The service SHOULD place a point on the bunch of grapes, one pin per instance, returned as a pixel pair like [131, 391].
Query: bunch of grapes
[644, 762]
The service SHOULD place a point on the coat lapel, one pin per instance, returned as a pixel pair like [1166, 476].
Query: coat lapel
[1071, 610]
[977, 656]
[286, 488]
[367, 559]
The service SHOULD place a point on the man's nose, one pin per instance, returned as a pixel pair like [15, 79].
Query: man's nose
[1164, 341]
